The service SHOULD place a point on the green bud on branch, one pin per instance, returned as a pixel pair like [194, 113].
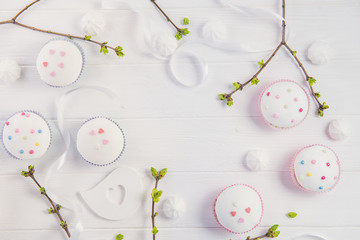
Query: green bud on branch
[119, 237]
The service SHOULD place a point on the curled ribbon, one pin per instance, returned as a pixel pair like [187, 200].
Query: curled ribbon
[72, 206]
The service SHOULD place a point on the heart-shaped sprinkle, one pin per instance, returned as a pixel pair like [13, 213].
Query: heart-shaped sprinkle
[31, 151]
[32, 131]
[248, 210]
[301, 110]
[92, 132]
[27, 115]
[53, 74]
[51, 51]
[45, 64]
[277, 96]
[7, 123]
[233, 213]
[101, 131]
[296, 99]
[22, 114]
[16, 130]
[241, 220]
[61, 65]
[268, 94]
[62, 54]
[105, 141]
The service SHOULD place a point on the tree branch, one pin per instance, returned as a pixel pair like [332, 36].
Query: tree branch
[103, 45]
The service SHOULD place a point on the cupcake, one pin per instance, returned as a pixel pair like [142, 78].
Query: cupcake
[316, 168]
[284, 104]
[60, 62]
[100, 141]
[239, 208]
[26, 135]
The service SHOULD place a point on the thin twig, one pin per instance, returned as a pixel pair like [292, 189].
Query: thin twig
[153, 207]
[24, 9]
[166, 16]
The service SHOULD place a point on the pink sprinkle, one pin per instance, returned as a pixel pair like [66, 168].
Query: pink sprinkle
[233, 213]
[275, 115]
[53, 74]
[27, 115]
[323, 177]
[328, 164]
[17, 130]
[32, 131]
[62, 54]
[61, 65]
[105, 141]
[313, 161]
[22, 114]
[51, 51]
[7, 123]
[31, 151]
[92, 132]
[296, 99]
[293, 120]
[241, 220]
[300, 110]
[277, 96]
[268, 94]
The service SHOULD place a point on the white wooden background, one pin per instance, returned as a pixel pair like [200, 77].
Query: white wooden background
[199, 140]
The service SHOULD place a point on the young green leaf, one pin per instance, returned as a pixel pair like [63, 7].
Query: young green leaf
[51, 210]
[185, 21]
[185, 31]
[317, 94]
[63, 224]
[154, 173]
[276, 234]
[237, 85]
[87, 37]
[230, 101]
[178, 35]
[119, 237]
[42, 190]
[222, 96]
[261, 63]
[162, 173]
[119, 52]
[255, 81]
[274, 227]
[31, 169]
[311, 81]
[320, 112]
[58, 207]
[292, 215]
[104, 49]
[294, 53]
[155, 231]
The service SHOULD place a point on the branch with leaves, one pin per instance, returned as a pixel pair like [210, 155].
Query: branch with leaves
[254, 79]
[104, 47]
[180, 32]
[155, 195]
[55, 209]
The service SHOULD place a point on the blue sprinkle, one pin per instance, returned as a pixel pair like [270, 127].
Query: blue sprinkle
[302, 162]
[39, 131]
[21, 151]
[321, 188]
[9, 137]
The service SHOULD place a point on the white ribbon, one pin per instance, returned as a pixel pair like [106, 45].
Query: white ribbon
[181, 50]
[72, 206]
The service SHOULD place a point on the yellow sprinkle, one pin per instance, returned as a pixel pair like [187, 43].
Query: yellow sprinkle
[309, 174]
[37, 144]
[24, 137]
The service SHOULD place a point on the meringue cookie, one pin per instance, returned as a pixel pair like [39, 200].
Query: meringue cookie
[256, 160]
[318, 52]
[337, 129]
[215, 30]
[93, 23]
[164, 44]
[10, 71]
[173, 207]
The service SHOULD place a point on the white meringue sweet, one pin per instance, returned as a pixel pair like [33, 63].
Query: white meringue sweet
[318, 52]
[337, 129]
[256, 160]
[10, 71]
[173, 207]
[215, 30]
[164, 44]
[93, 23]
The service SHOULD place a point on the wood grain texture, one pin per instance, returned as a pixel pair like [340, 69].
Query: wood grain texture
[202, 142]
